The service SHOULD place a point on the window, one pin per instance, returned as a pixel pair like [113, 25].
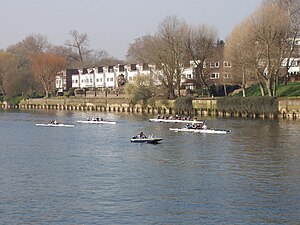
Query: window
[91, 80]
[214, 76]
[111, 79]
[110, 69]
[189, 76]
[121, 68]
[294, 63]
[214, 65]
[133, 67]
[226, 64]
[226, 76]
[100, 79]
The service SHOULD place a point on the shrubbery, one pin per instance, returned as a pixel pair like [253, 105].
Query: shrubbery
[183, 104]
[13, 100]
[251, 105]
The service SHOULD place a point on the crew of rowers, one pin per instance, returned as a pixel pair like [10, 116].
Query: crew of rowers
[95, 119]
[197, 126]
[176, 117]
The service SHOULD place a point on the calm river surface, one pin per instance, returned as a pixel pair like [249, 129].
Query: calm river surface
[92, 174]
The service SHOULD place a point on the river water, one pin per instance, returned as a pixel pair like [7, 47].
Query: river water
[92, 174]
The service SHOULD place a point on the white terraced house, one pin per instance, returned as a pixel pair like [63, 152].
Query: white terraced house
[101, 77]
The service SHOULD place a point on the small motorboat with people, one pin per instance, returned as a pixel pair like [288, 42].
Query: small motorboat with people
[199, 128]
[142, 138]
[96, 120]
[176, 119]
[54, 123]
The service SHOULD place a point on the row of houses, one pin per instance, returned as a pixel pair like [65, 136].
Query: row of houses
[103, 77]
[107, 76]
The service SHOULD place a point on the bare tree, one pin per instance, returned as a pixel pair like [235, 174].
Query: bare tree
[240, 52]
[46, 67]
[140, 50]
[23, 52]
[271, 35]
[78, 46]
[7, 61]
[170, 52]
[166, 50]
[292, 8]
[200, 42]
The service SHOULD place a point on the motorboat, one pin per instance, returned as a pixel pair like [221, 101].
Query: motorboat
[141, 138]
[96, 120]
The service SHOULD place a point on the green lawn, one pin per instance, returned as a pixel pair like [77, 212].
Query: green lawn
[289, 90]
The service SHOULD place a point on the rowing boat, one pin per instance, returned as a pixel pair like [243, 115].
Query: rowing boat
[54, 125]
[95, 122]
[175, 121]
[197, 130]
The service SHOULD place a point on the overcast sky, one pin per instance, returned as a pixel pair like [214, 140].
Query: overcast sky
[113, 24]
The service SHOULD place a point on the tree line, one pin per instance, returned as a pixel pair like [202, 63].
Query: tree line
[29, 67]
[257, 48]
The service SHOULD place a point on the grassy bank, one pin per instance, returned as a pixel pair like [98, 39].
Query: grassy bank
[289, 90]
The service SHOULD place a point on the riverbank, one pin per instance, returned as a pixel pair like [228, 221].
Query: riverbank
[288, 108]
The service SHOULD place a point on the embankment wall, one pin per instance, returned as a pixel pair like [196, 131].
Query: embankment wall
[288, 108]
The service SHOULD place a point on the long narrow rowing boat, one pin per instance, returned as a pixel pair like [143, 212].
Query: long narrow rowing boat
[175, 121]
[96, 122]
[54, 125]
[197, 130]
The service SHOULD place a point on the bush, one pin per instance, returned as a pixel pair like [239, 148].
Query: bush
[13, 100]
[251, 105]
[183, 104]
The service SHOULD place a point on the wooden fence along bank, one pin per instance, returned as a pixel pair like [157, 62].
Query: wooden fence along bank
[287, 108]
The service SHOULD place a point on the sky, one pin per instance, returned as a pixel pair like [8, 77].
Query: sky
[112, 25]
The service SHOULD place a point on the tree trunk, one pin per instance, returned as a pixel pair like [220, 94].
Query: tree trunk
[275, 86]
[269, 87]
[225, 91]
[204, 83]
[244, 90]
[261, 87]
[171, 92]
[244, 82]
[178, 89]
